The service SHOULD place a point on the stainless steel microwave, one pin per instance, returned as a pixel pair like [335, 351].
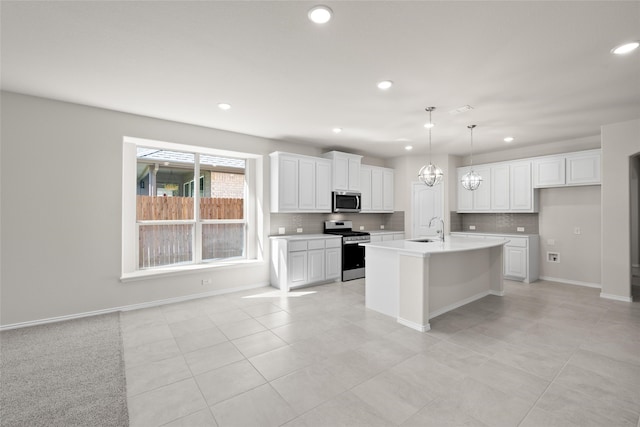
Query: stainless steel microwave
[345, 201]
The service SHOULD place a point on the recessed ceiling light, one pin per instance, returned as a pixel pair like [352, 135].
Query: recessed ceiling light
[385, 84]
[428, 125]
[224, 106]
[509, 139]
[409, 147]
[320, 14]
[625, 48]
[337, 130]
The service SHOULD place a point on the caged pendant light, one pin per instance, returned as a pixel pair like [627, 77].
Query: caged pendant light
[430, 174]
[471, 180]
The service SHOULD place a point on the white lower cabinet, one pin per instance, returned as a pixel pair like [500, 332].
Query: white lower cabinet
[515, 261]
[520, 255]
[297, 261]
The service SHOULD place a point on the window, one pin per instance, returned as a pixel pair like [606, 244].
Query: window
[176, 223]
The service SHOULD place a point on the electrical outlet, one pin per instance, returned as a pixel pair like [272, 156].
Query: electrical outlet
[382, 227]
[520, 229]
[206, 282]
[553, 257]
[472, 227]
[362, 227]
[281, 230]
[298, 230]
[576, 230]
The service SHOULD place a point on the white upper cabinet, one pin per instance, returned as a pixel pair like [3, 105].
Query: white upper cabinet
[323, 185]
[365, 188]
[387, 190]
[548, 171]
[284, 182]
[300, 183]
[478, 200]
[505, 187]
[482, 196]
[569, 169]
[346, 171]
[522, 196]
[376, 187]
[583, 168]
[500, 181]
[465, 197]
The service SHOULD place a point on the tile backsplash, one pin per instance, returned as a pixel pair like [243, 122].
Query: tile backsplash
[495, 222]
[312, 223]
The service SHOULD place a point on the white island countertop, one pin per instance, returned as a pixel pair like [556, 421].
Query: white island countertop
[451, 244]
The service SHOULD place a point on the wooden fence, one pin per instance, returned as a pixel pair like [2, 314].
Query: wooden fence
[175, 208]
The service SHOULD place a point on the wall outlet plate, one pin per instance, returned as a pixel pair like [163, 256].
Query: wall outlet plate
[362, 227]
[553, 257]
[382, 227]
[298, 230]
[472, 227]
[520, 229]
[281, 230]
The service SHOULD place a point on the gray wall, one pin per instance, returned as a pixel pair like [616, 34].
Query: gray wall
[61, 253]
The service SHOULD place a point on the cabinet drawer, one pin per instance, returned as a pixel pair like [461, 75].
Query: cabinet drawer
[333, 243]
[298, 245]
[315, 244]
[519, 242]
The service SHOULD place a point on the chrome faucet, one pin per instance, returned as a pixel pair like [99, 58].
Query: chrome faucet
[441, 231]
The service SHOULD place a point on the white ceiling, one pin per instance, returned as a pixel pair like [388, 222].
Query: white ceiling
[539, 71]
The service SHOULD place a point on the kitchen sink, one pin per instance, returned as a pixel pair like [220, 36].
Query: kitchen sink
[423, 240]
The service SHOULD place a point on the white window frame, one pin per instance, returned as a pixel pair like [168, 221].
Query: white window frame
[252, 215]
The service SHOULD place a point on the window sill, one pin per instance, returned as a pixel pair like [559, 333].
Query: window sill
[185, 269]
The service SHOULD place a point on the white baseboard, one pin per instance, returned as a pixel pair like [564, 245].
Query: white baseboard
[615, 297]
[414, 325]
[129, 307]
[572, 282]
[459, 304]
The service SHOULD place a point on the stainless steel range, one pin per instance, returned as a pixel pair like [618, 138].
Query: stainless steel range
[352, 253]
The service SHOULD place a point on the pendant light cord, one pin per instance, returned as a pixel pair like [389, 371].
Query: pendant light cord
[471, 128]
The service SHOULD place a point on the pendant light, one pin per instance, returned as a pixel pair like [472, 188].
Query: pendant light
[430, 174]
[471, 180]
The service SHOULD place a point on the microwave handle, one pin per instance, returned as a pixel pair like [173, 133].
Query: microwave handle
[358, 199]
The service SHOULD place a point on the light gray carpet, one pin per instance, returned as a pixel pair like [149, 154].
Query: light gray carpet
[64, 374]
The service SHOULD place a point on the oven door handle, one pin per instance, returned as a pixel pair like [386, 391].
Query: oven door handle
[357, 241]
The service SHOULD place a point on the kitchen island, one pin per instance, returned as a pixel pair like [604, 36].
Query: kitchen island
[416, 281]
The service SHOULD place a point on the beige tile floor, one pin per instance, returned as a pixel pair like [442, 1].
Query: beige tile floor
[545, 354]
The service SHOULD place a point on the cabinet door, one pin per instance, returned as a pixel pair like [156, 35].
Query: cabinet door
[365, 188]
[297, 268]
[333, 261]
[354, 174]
[548, 172]
[288, 183]
[465, 197]
[323, 185]
[387, 190]
[482, 196]
[376, 189]
[306, 184]
[340, 173]
[521, 188]
[500, 188]
[316, 265]
[515, 261]
[583, 168]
